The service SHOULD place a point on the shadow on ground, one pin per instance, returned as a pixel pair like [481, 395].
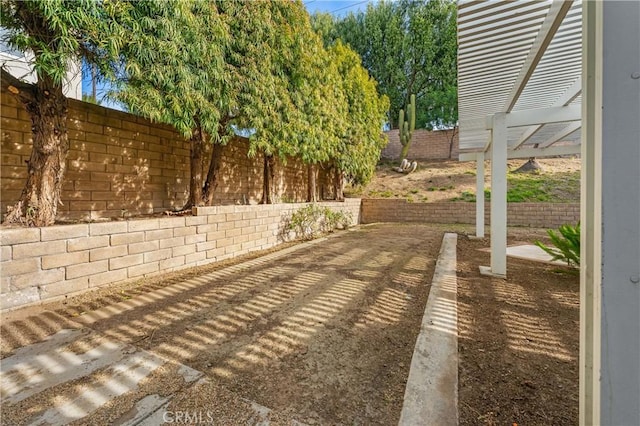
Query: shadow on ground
[317, 333]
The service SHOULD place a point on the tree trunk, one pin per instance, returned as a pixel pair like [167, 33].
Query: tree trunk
[47, 108]
[212, 175]
[267, 181]
[338, 182]
[196, 144]
[311, 184]
[453, 136]
[94, 79]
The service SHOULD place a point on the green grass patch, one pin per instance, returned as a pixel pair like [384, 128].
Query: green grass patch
[470, 197]
[542, 187]
[382, 194]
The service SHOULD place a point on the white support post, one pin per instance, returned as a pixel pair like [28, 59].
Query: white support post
[480, 195]
[610, 243]
[590, 213]
[498, 266]
[499, 196]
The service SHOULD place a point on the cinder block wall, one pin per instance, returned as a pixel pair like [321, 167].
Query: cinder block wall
[122, 165]
[425, 145]
[118, 163]
[41, 264]
[535, 215]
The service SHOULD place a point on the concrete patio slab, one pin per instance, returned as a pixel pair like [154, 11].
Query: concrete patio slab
[529, 252]
[532, 252]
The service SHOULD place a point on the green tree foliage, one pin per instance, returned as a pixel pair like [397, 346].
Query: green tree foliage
[295, 109]
[173, 72]
[362, 140]
[409, 47]
[285, 80]
[324, 24]
[54, 33]
[211, 68]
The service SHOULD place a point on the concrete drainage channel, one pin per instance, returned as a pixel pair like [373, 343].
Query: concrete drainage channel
[431, 395]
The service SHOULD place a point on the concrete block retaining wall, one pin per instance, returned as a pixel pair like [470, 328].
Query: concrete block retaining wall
[43, 264]
[535, 215]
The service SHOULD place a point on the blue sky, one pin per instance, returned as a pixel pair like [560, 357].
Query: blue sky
[335, 7]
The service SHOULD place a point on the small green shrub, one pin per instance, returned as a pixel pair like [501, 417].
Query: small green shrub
[382, 194]
[567, 244]
[470, 197]
[313, 220]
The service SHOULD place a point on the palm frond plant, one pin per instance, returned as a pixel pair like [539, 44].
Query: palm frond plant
[567, 244]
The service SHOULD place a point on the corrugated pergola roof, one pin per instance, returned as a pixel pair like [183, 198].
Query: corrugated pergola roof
[520, 56]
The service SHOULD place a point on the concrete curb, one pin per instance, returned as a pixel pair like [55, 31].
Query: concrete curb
[431, 395]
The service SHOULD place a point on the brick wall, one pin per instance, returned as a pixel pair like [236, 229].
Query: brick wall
[120, 165]
[425, 145]
[535, 215]
[40, 264]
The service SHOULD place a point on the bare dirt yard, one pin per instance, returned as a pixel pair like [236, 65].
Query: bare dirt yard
[451, 180]
[518, 339]
[321, 333]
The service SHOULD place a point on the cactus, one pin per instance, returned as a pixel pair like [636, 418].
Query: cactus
[406, 128]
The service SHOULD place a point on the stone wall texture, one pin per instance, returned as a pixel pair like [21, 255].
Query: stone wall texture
[43, 264]
[122, 165]
[535, 215]
[425, 145]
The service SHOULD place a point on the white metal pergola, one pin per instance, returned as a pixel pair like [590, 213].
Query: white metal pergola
[519, 66]
[555, 77]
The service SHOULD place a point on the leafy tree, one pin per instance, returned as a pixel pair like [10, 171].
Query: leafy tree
[361, 141]
[263, 64]
[324, 24]
[295, 106]
[216, 67]
[287, 87]
[55, 33]
[174, 72]
[408, 47]
[322, 101]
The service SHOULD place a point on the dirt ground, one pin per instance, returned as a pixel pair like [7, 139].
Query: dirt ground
[445, 180]
[323, 335]
[518, 340]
